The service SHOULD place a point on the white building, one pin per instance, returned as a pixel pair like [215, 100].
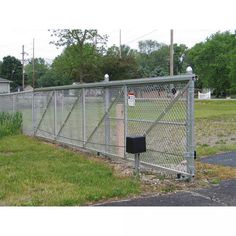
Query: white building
[4, 85]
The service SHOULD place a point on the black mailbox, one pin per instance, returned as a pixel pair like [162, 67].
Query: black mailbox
[136, 145]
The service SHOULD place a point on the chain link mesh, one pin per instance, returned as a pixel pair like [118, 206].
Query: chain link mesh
[21, 102]
[100, 119]
[156, 107]
[69, 117]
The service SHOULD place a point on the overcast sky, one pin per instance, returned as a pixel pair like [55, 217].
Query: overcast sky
[192, 21]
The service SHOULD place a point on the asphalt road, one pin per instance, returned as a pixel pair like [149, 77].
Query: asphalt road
[225, 159]
[223, 194]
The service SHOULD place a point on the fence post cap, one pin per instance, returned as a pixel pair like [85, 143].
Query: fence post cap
[106, 78]
[189, 70]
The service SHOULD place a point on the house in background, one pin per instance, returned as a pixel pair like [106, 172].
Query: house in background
[20, 88]
[4, 85]
[28, 88]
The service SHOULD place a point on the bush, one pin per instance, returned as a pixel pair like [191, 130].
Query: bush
[10, 123]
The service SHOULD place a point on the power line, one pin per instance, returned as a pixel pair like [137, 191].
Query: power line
[144, 35]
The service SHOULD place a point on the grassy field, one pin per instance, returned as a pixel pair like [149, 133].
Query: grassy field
[35, 173]
[215, 126]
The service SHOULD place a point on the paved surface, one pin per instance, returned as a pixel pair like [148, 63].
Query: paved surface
[226, 159]
[223, 194]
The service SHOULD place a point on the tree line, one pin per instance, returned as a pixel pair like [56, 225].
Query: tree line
[86, 58]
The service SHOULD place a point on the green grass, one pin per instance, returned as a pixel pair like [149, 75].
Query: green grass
[203, 151]
[214, 108]
[215, 126]
[35, 173]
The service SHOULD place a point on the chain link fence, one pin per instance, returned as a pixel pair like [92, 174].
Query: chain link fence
[21, 102]
[100, 116]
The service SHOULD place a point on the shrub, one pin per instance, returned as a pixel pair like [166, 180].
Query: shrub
[10, 123]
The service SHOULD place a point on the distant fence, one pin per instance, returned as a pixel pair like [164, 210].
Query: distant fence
[204, 95]
[100, 116]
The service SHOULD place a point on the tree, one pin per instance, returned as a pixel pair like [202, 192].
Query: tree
[120, 68]
[179, 58]
[12, 70]
[153, 59]
[233, 71]
[148, 46]
[53, 78]
[67, 37]
[211, 61]
[77, 67]
[0, 67]
[82, 52]
[40, 68]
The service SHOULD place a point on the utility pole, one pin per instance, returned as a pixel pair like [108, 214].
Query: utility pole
[33, 76]
[23, 69]
[171, 53]
[120, 43]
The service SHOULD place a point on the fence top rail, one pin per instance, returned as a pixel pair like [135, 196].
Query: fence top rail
[165, 79]
[15, 93]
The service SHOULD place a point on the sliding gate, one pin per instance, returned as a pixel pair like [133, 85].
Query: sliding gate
[100, 116]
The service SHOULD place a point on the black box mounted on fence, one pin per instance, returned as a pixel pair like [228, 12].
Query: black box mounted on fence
[135, 145]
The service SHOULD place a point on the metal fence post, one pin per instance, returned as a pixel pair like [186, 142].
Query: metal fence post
[55, 114]
[190, 129]
[137, 164]
[33, 114]
[83, 117]
[125, 118]
[107, 120]
[13, 105]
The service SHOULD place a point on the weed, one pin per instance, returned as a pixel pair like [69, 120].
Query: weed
[205, 145]
[220, 142]
[168, 188]
[162, 177]
[215, 181]
[10, 123]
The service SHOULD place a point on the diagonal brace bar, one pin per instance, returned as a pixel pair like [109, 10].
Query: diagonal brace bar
[163, 113]
[68, 115]
[103, 117]
[44, 113]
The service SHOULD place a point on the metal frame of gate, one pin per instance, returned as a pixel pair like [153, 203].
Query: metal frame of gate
[97, 117]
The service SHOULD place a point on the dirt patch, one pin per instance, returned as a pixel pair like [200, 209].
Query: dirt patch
[213, 132]
[153, 182]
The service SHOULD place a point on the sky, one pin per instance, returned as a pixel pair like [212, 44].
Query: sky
[192, 22]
